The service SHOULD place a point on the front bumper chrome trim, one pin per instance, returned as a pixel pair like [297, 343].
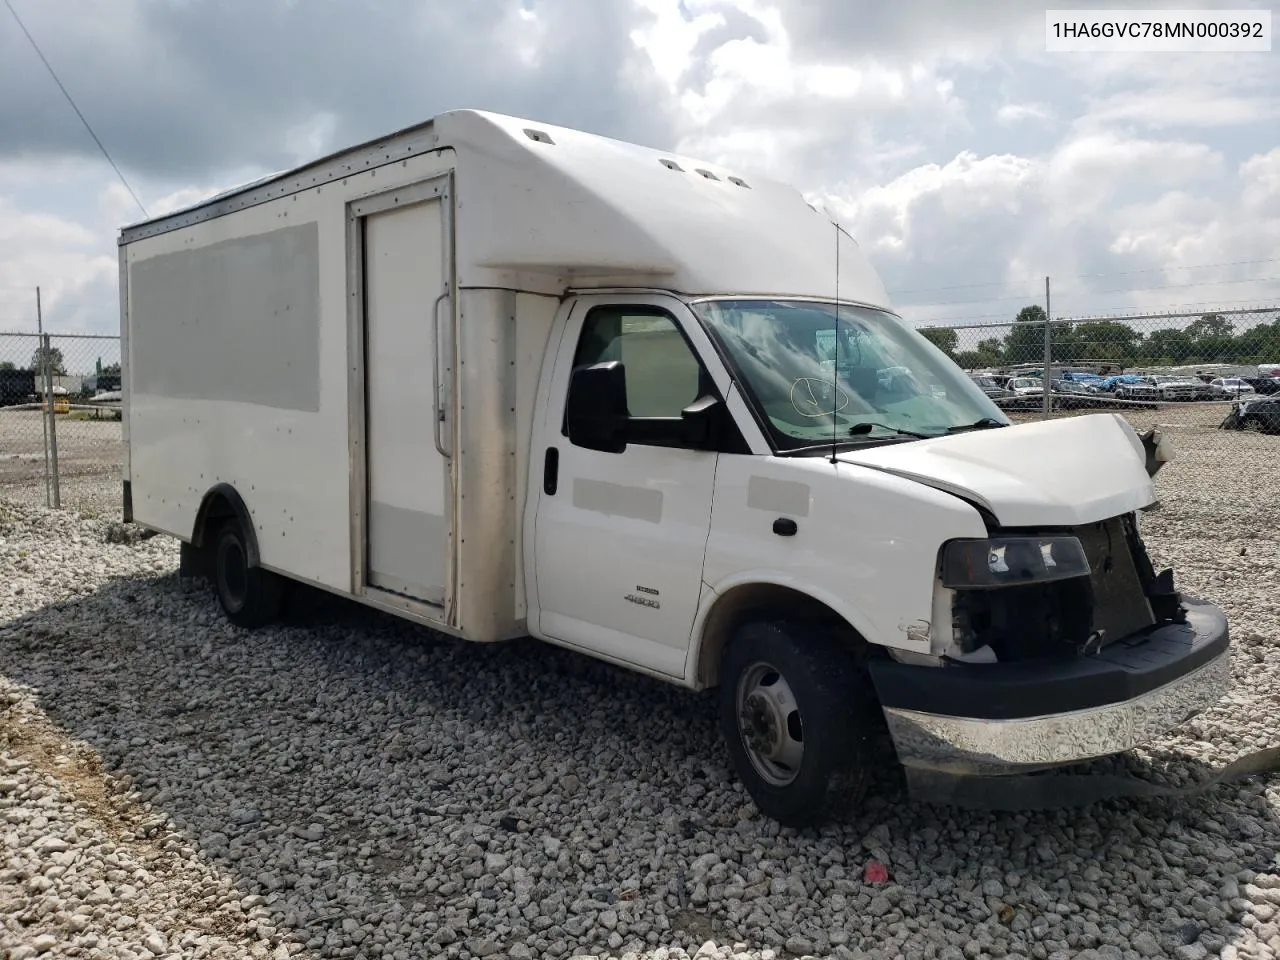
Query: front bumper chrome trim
[979, 747]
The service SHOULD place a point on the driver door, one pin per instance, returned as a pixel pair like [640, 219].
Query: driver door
[620, 538]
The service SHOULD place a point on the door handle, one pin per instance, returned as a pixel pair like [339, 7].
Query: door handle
[441, 403]
[550, 471]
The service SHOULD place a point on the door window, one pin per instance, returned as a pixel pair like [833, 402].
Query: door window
[663, 374]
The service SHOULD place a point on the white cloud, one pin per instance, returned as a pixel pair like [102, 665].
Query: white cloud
[1088, 171]
[64, 258]
[1184, 107]
[1261, 177]
[1011, 113]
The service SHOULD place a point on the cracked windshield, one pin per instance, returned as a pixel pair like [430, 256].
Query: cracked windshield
[814, 371]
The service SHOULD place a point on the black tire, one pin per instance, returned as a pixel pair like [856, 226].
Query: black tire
[1254, 424]
[833, 699]
[249, 596]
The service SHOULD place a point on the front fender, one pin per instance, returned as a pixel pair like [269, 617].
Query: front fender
[862, 542]
[713, 594]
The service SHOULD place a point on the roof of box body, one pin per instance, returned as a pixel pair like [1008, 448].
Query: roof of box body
[579, 210]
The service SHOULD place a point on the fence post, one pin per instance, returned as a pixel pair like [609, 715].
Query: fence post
[44, 417]
[47, 355]
[1048, 354]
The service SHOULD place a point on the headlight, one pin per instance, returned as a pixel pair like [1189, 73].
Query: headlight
[1009, 561]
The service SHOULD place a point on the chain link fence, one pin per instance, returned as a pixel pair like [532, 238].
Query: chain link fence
[60, 421]
[1209, 380]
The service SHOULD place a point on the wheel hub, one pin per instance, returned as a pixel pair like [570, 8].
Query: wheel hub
[760, 724]
[769, 724]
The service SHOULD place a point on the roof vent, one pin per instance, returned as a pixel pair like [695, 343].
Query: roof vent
[708, 174]
[538, 136]
[739, 181]
[672, 165]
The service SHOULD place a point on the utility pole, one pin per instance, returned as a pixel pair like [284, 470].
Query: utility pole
[1048, 353]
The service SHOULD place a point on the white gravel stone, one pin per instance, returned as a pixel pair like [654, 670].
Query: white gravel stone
[347, 785]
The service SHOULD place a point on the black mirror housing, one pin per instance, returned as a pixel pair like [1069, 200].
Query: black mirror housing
[703, 421]
[596, 414]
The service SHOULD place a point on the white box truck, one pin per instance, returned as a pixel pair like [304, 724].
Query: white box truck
[511, 380]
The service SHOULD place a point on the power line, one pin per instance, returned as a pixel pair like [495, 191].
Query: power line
[1202, 266]
[53, 74]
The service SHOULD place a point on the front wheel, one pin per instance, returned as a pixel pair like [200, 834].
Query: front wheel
[794, 713]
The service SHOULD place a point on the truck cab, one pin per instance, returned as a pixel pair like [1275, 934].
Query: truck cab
[669, 419]
[730, 495]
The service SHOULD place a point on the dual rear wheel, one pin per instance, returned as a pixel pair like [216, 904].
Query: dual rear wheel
[249, 595]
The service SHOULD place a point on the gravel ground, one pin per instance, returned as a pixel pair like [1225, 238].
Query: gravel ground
[89, 456]
[348, 785]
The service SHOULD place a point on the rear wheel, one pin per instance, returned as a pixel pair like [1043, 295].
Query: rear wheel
[250, 596]
[795, 713]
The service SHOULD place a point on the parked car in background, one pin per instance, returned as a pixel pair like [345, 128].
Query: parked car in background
[1234, 387]
[1112, 383]
[1131, 387]
[1263, 386]
[1024, 392]
[992, 387]
[1071, 394]
[1094, 380]
[1260, 414]
[1173, 389]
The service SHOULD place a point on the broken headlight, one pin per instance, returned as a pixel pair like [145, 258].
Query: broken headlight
[1011, 561]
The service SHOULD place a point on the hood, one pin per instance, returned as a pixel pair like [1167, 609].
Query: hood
[1049, 473]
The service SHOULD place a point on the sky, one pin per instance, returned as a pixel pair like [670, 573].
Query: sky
[968, 162]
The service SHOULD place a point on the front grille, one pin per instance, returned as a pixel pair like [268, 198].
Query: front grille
[1120, 604]
[1062, 619]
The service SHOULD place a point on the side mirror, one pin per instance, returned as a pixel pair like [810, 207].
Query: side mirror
[702, 421]
[596, 412]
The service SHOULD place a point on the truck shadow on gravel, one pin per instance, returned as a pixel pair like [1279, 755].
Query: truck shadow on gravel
[469, 800]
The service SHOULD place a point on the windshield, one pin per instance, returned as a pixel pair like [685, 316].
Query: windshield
[867, 377]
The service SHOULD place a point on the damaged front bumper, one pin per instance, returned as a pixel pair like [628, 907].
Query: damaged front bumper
[996, 719]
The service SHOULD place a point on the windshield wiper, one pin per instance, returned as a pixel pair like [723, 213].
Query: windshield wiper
[828, 446]
[867, 427]
[986, 423]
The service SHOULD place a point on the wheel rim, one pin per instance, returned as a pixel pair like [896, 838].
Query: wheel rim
[769, 724]
[234, 575]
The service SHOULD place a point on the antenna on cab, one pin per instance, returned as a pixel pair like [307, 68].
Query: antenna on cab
[835, 359]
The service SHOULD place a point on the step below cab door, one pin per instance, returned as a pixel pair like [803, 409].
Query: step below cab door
[627, 468]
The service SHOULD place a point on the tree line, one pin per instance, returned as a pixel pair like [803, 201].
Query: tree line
[1210, 338]
[52, 359]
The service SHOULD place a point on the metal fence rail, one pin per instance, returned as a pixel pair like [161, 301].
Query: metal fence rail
[60, 427]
